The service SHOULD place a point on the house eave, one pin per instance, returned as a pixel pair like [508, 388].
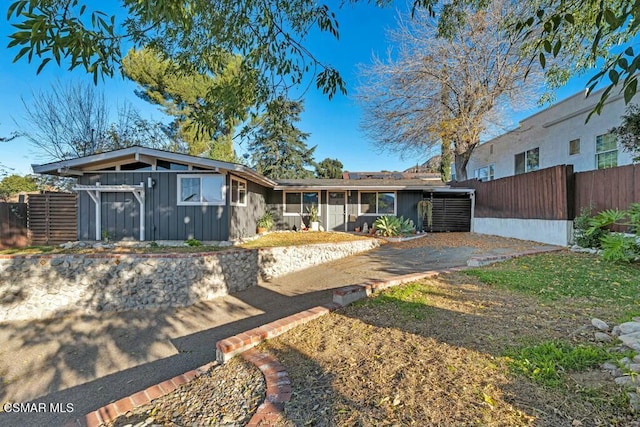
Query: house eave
[84, 164]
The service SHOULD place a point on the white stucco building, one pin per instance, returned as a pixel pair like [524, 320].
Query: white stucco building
[554, 136]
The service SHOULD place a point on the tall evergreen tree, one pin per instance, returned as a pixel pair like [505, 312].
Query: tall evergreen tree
[206, 108]
[278, 149]
[329, 168]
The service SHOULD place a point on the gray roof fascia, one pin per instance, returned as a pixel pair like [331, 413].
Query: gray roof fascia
[241, 170]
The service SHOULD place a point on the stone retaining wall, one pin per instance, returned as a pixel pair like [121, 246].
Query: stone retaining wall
[42, 286]
[276, 262]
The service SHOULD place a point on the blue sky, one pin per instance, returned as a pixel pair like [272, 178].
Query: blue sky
[333, 124]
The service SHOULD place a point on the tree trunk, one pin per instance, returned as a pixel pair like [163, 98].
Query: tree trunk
[462, 160]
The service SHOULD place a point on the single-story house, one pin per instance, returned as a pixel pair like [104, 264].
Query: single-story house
[145, 194]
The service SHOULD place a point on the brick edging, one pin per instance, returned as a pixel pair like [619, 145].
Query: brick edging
[120, 407]
[229, 347]
[278, 388]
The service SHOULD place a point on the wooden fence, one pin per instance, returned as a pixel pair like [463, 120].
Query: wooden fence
[13, 225]
[614, 188]
[53, 218]
[543, 194]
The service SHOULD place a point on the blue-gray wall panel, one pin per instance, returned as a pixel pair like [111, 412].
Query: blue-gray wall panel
[244, 219]
[164, 220]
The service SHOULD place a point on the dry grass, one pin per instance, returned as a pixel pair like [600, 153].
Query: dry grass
[431, 353]
[302, 238]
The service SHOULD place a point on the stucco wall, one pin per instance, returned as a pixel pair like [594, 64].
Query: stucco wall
[537, 230]
[33, 287]
[551, 130]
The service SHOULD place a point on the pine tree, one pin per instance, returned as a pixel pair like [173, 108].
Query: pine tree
[278, 149]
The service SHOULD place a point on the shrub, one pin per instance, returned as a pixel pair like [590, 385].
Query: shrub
[266, 221]
[618, 247]
[391, 225]
[581, 224]
[193, 242]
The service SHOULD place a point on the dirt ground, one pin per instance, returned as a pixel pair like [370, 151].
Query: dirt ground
[91, 360]
[441, 364]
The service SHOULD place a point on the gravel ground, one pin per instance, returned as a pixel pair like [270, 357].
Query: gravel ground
[227, 395]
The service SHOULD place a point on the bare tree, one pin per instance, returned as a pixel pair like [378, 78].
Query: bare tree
[73, 120]
[447, 89]
[68, 121]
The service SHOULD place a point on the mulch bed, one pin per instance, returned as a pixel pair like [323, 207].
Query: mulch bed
[227, 395]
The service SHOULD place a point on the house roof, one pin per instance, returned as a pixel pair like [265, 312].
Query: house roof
[99, 162]
[94, 162]
[353, 184]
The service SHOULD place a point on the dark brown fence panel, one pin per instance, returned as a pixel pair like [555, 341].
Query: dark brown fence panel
[53, 218]
[543, 194]
[614, 188]
[13, 225]
[450, 214]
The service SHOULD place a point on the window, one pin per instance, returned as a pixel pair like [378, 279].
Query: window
[238, 192]
[137, 166]
[574, 147]
[299, 202]
[606, 151]
[201, 190]
[528, 161]
[377, 203]
[453, 171]
[485, 174]
[164, 165]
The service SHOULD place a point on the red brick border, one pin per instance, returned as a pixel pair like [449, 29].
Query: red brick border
[278, 388]
[232, 346]
[120, 407]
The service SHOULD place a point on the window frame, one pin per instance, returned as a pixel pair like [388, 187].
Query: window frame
[579, 146]
[246, 192]
[301, 193]
[377, 212]
[223, 189]
[491, 172]
[598, 153]
[525, 161]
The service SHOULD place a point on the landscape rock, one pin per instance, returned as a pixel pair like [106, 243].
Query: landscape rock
[599, 324]
[628, 381]
[631, 340]
[629, 327]
[602, 337]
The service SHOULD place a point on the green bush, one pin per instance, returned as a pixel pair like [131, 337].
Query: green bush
[581, 224]
[617, 247]
[193, 242]
[391, 226]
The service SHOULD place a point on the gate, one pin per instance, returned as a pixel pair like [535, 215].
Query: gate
[53, 218]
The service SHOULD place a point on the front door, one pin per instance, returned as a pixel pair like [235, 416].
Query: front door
[336, 211]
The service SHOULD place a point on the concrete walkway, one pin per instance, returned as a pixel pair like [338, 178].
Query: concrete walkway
[89, 361]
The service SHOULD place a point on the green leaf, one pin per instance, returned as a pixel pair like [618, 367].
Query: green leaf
[613, 76]
[610, 18]
[42, 64]
[542, 60]
[22, 52]
[630, 90]
[569, 18]
[556, 48]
